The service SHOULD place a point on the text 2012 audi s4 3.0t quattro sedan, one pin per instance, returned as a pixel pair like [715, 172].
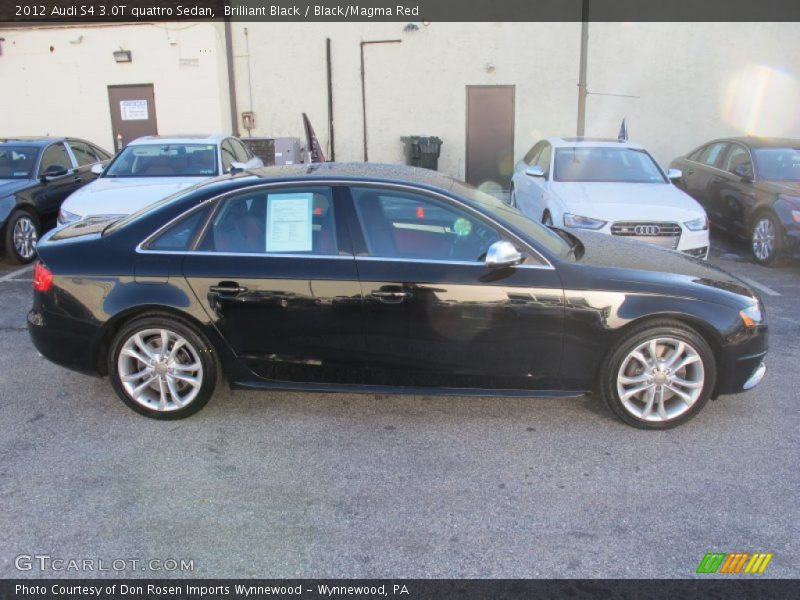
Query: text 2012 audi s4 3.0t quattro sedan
[335, 277]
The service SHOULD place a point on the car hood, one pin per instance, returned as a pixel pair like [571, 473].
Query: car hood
[112, 196]
[640, 262]
[628, 201]
[9, 186]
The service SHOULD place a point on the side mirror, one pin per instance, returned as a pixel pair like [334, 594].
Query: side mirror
[98, 169]
[674, 174]
[503, 254]
[237, 167]
[534, 171]
[743, 171]
[54, 172]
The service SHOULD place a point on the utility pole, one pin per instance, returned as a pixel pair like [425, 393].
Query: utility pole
[582, 91]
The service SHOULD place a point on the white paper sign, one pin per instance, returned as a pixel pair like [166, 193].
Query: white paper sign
[289, 222]
[133, 110]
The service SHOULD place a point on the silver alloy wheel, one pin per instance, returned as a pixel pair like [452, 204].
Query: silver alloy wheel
[160, 370]
[660, 379]
[25, 237]
[763, 238]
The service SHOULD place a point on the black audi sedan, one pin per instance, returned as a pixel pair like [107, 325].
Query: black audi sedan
[371, 278]
[36, 176]
[750, 187]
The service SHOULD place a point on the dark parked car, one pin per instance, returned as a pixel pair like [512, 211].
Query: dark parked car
[36, 176]
[750, 187]
[373, 278]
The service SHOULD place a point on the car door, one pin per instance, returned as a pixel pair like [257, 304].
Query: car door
[734, 196]
[434, 313]
[85, 157]
[274, 271]
[700, 173]
[52, 191]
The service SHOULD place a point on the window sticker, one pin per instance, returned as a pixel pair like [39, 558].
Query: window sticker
[462, 227]
[289, 222]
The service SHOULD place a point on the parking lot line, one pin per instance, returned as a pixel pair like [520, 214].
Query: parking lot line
[760, 286]
[13, 274]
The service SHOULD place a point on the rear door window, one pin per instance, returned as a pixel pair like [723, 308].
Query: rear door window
[276, 221]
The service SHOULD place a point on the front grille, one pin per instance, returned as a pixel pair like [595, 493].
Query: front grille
[666, 235]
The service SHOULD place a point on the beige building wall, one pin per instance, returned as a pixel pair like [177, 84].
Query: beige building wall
[63, 91]
[689, 82]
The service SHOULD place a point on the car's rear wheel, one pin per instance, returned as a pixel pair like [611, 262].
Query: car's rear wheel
[22, 233]
[162, 367]
[766, 239]
[658, 376]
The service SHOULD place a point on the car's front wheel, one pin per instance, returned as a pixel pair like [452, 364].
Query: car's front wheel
[658, 376]
[22, 233]
[766, 239]
[162, 367]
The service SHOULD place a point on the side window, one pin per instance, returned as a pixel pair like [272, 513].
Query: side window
[399, 224]
[179, 236]
[280, 221]
[239, 150]
[83, 153]
[228, 155]
[543, 160]
[99, 152]
[533, 153]
[55, 155]
[737, 155]
[710, 154]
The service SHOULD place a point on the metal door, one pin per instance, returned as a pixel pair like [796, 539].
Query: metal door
[133, 112]
[490, 134]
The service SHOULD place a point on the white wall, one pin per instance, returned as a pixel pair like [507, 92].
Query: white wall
[64, 91]
[415, 87]
[693, 81]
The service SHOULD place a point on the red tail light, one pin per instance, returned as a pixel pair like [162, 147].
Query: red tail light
[42, 277]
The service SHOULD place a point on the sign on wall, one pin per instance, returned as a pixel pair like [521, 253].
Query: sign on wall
[133, 110]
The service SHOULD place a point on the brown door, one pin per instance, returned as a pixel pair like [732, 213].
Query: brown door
[490, 134]
[133, 112]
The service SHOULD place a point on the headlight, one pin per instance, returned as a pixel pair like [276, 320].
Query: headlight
[751, 316]
[64, 216]
[571, 220]
[700, 224]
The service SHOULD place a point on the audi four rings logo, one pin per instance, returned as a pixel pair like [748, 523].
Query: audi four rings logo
[647, 230]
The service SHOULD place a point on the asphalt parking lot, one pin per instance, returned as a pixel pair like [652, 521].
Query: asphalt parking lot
[313, 485]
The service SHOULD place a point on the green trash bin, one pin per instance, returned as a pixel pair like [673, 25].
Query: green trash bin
[422, 151]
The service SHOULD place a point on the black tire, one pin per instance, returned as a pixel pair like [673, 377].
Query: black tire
[613, 363]
[18, 217]
[770, 220]
[198, 348]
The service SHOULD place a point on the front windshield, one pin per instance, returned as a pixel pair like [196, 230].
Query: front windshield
[496, 208]
[165, 160]
[781, 164]
[17, 162]
[606, 164]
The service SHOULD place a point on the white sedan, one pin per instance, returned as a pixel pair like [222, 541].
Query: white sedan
[611, 187]
[153, 167]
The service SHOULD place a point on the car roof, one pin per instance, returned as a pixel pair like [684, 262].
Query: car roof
[31, 140]
[192, 138]
[356, 171]
[590, 142]
[760, 142]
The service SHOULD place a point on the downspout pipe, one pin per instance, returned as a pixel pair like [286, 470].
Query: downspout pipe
[231, 78]
[582, 90]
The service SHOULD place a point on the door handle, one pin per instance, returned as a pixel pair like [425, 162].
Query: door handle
[391, 296]
[227, 288]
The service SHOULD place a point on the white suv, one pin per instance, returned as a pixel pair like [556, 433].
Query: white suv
[608, 186]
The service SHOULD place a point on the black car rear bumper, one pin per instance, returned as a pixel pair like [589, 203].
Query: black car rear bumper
[67, 342]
